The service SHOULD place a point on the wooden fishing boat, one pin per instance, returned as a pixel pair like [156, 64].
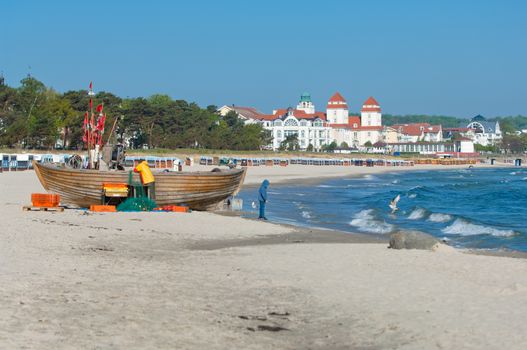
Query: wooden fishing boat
[199, 190]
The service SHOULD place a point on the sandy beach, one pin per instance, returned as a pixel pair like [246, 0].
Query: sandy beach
[81, 280]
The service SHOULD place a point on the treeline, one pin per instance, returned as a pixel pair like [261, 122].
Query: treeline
[511, 124]
[38, 117]
[445, 121]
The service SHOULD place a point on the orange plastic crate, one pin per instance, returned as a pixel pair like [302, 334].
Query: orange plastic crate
[180, 209]
[114, 185]
[103, 208]
[45, 200]
[174, 208]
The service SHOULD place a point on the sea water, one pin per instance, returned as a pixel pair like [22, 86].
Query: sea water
[472, 208]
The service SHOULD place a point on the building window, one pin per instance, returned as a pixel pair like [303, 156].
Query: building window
[303, 123]
[279, 134]
[291, 122]
[277, 123]
[302, 134]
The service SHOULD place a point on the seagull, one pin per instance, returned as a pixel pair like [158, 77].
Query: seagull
[393, 203]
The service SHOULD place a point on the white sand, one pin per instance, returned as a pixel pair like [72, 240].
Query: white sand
[131, 281]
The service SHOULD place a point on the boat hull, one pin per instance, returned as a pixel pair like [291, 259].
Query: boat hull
[198, 190]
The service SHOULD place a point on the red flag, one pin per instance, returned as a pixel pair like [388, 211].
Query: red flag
[99, 108]
[100, 128]
[91, 104]
[85, 128]
[91, 85]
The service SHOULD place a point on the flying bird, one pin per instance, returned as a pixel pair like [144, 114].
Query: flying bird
[393, 203]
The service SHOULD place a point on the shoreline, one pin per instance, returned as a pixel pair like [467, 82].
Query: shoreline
[255, 175]
[77, 279]
[310, 234]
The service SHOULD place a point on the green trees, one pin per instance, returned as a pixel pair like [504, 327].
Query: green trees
[514, 144]
[34, 116]
[290, 143]
[330, 148]
[445, 121]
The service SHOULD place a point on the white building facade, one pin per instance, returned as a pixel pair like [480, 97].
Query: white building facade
[486, 133]
[309, 126]
[355, 131]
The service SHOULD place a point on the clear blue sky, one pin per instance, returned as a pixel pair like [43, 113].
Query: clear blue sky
[456, 58]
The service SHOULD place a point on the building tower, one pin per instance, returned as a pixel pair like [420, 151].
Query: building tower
[370, 114]
[337, 110]
[306, 104]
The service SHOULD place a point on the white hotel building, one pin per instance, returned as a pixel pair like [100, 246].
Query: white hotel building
[318, 128]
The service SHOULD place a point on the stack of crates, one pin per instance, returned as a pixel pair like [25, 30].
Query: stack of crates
[44, 200]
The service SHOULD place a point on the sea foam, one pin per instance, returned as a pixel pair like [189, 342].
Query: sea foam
[438, 217]
[365, 220]
[465, 228]
[417, 214]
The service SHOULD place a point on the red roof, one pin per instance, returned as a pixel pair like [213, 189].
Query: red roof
[337, 106]
[351, 122]
[371, 105]
[433, 129]
[411, 129]
[371, 102]
[299, 114]
[371, 128]
[417, 129]
[370, 109]
[337, 97]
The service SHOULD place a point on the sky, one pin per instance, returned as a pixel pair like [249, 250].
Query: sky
[435, 57]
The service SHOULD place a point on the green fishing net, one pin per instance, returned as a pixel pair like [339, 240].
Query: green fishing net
[137, 204]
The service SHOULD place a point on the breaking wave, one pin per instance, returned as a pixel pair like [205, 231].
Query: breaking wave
[417, 214]
[465, 228]
[306, 215]
[365, 221]
[438, 217]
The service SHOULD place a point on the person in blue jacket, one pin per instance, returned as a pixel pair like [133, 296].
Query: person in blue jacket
[262, 198]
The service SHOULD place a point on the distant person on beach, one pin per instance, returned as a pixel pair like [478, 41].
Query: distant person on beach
[262, 198]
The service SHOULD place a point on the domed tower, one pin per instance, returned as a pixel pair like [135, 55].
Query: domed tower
[306, 104]
[370, 114]
[337, 110]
